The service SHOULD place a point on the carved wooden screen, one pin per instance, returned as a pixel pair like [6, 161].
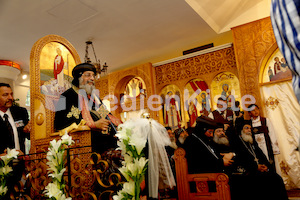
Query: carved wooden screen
[52, 59]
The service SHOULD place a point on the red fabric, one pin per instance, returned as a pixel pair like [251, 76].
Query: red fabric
[193, 86]
[114, 120]
[57, 69]
[193, 116]
[202, 85]
[86, 113]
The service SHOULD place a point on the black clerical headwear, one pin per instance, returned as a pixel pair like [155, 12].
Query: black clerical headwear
[204, 123]
[240, 123]
[78, 70]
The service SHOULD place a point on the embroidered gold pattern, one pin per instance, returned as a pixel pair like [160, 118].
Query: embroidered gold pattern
[272, 103]
[74, 112]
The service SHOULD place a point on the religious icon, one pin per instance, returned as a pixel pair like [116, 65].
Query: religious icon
[59, 66]
[55, 69]
[205, 104]
[135, 87]
[170, 115]
[225, 88]
[197, 102]
[277, 65]
[276, 68]
[226, 85]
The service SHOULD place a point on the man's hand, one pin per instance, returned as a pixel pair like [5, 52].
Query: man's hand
[227, 158]
[27, 128]
[102, 124]
[262, 168]
[226, 126]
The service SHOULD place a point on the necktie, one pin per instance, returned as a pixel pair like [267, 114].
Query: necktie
[11, 142]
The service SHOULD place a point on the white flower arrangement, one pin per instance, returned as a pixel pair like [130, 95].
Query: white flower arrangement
[131, 143]
[56, 163]
[6, 170]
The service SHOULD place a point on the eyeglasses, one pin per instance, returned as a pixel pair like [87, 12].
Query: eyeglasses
[247, 127]
[89, 75]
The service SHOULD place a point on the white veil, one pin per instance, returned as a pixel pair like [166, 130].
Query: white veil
[159, 169]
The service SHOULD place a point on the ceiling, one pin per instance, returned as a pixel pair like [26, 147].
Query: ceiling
[124, 32]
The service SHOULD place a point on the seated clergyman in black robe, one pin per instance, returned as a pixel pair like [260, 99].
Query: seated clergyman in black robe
[263, 180]
[209, 150]
[200, 153]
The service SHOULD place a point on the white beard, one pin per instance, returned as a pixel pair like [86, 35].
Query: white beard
[88, 88]
[247, 137]
[221, 140]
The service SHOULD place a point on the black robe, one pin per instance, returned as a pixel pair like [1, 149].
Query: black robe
[100, 142]
[200, 155]
[264, 185]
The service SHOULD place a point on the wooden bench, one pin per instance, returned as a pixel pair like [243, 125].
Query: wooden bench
[199, 186]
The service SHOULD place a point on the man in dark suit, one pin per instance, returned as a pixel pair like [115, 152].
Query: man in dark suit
[14, 120]
[14, 128]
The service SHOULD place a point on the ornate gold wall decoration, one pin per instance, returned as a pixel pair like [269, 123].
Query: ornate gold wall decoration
[252, 42]
[102, 85]
[196, 67]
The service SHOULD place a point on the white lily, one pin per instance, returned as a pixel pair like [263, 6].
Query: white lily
[55, 145]
[128, 159]
[121, 147]
[63, 197]
[139, 143]
[119, 196]
[122, 135]
[132, 168]
[55, 157]
[59, 175]
[52, 190]
[5, 170]
[5, 159]
[140, 164]
[12, 153]
[124, 172]
[60, 157]
[129, 187]
[66, 139]
[3, 190]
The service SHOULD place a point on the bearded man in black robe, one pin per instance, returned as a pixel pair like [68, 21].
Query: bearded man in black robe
[80, 104]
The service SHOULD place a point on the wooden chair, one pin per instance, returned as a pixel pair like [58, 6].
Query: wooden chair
[199, 186]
